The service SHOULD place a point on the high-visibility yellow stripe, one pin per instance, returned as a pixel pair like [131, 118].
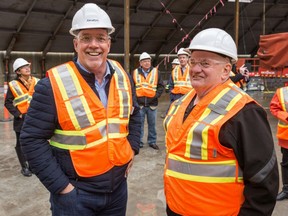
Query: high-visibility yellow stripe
[178, 158]
[204, 179]
[15, 85]
[118, 121]
[75, 80]
[72, 115]
[282, 99]
[68, 147]
[87, 110]
[202, 166]
[60, 84]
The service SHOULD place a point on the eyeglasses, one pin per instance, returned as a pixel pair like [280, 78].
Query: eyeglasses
[100, 39]
[24, 67]
[204, 63]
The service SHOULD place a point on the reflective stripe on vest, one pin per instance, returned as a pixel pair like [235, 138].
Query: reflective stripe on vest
[283, 98]
[173, 109]
[282, 127]
[21, 99]
[70, 88]
[212, 172]
[146, 87]
[196, 145]
[181, 81]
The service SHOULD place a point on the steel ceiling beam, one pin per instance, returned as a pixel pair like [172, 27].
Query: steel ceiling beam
[15, 35]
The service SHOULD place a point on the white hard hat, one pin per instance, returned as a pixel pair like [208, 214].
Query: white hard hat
[175, 61]
[182, 51]
[91, 16]
[144, 55]
[19, 62]
[215, 40]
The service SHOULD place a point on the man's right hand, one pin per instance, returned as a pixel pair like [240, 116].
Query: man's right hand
[68, 189]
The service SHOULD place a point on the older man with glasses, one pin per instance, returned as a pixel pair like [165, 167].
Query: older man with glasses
[220, 151]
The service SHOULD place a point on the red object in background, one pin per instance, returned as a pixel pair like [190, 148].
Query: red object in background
[273, 50]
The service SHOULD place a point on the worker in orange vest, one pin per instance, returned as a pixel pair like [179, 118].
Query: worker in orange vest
[220, 152]
[179, 83]
[149, 87]
[83, 126]
[17, 101]
[279, 109]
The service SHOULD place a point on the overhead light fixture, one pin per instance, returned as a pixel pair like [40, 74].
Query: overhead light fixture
[242, 1]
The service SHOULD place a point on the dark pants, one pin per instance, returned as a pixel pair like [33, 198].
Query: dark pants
[19, 152]
[79, 202]
[284, 168]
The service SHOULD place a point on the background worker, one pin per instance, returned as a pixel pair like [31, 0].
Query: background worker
[179, 83]
[174, 63]
[17, 101]
[220, 151]
[149, 87]
[241, 78]
[279, 109]
[83, 126]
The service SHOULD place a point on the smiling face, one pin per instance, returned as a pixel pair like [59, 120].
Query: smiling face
[92, 47]
[145, 64]
[183, 59]
[207, 70]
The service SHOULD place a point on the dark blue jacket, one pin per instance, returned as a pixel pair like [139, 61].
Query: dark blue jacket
[53, 166]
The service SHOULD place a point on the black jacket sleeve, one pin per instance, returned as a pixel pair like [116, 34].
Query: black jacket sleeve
[9, 104]
[249, 134]
[38, 128]
[135, 122]
[160, 85]
[237, 77]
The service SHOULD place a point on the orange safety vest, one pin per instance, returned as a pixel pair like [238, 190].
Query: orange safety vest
[202, 177]
[22, 96]
[146, 87]
[95, 137]
[182, 83]
[282, 129]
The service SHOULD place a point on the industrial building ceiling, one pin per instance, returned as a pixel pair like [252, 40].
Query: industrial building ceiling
[156, 26]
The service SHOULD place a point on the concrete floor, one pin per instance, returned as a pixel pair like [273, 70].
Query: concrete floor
[22, 196]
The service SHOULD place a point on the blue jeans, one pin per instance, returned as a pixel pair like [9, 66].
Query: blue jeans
[79, 202]
[151, 120]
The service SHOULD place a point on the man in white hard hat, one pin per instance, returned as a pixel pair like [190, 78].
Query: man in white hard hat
[220, 151]
[174, 63]
[83, 127]
[17, 101]
[149, 87]
[179, 82]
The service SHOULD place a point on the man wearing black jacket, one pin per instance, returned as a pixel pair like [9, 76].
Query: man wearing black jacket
[83, 127]
[149, 87]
